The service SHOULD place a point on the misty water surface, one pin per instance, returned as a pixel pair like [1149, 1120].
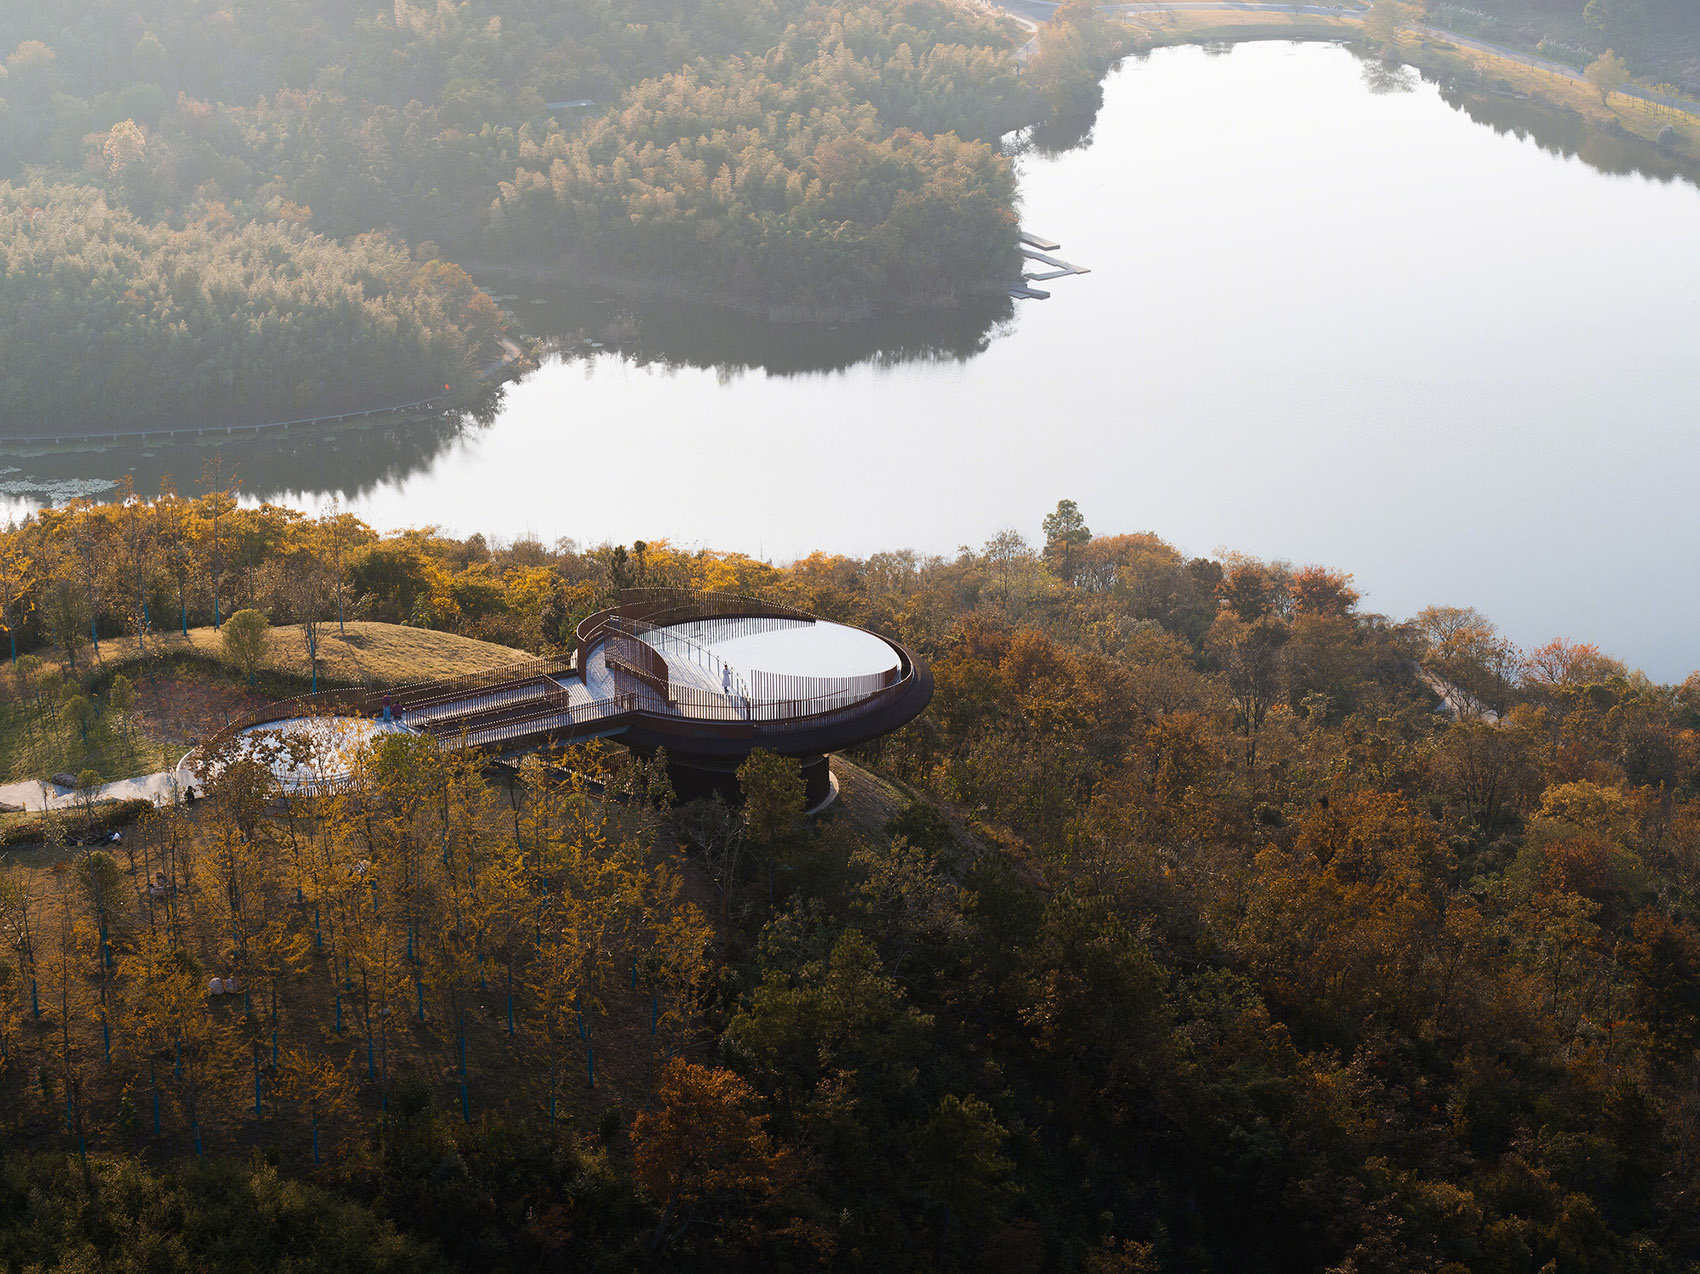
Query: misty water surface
[1326, 322]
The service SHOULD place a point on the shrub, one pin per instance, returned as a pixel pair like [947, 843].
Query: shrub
[44, 828]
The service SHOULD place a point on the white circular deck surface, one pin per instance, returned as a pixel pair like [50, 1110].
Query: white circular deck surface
[308, 749]
[809, 650]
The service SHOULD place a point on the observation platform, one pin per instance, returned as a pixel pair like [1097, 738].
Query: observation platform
[710, 677]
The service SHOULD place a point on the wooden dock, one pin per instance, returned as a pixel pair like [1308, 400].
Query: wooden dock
[1037, 248]
[1059, 267]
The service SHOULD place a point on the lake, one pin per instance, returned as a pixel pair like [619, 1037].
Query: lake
[1331, 317]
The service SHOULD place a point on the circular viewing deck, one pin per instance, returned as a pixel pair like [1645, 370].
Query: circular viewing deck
[710, 677]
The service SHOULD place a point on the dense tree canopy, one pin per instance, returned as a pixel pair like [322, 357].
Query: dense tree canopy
[1205, 921]
[109, 322]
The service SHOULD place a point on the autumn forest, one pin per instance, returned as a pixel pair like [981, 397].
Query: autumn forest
[1205, 921]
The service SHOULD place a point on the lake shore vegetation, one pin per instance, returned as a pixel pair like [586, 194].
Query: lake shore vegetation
[1668, 134]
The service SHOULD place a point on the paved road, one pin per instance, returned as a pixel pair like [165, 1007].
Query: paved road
[1030, 13]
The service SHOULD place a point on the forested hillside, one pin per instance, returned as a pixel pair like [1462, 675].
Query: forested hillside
[785, 157]
[1188, 929]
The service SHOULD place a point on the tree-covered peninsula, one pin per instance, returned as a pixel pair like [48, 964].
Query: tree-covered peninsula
[232, 211]
[108, 322]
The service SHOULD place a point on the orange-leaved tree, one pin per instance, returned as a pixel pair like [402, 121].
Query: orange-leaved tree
[704, 1154]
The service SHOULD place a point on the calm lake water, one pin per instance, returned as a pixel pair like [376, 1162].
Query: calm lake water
[1331, 318]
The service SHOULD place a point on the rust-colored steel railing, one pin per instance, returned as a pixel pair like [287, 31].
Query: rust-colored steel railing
[780, 715]
[727, 628]
[474, 702]
[671, 641]
[426, 694]
[563, 725]
[776, 687]
[326, 703]
[666, 606]
[626, 652]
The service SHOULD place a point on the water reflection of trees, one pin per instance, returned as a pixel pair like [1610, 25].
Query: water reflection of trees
[350, 458]
[1055, 137]
[677, 334]
[1385, 78]
[356, 457]
[1561, 133]
[1552, 128]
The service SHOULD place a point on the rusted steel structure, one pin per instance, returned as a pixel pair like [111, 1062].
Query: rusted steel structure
[656, 671]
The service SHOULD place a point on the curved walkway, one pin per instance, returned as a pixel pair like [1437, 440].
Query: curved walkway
[162, 788]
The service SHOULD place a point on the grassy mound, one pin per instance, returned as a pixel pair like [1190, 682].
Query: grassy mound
[363, 653]
[184, 690]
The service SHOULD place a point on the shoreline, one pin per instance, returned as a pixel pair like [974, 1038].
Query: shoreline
[1668, 125]
[1461, 60]
[1460, 63]
[504, 369]
[644, 288]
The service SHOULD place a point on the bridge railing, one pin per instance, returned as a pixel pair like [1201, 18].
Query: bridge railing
[350, 703]
[562, 725]
[423, 694]
[670, 641]
[626, 652]
[475, 702]
[663, 606]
